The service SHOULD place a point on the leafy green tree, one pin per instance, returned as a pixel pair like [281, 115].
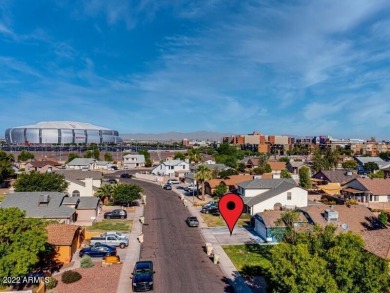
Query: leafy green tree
[179, 156]
[194, 155]
[35, 181]
[384, 156]
[105, 191]
[6, 169]
[285, 174]
[71, 157]
[350, 164]
[108, 157]
[383, 218]
[267, 168]
[258, 171]
[226, 173]
[325, 160]
[22, 240]
[125, 194]
[241, 167]
[371, 167]
[284, 159]
[231, 162]
[148, 161]
[378, 174]
[203, 174]
[220, 190]
[304, 177]
[294, 270]
[25, 156]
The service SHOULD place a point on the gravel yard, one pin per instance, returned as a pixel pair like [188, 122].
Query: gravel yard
[97, 279]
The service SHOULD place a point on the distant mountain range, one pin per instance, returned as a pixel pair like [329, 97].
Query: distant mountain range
[176, 136]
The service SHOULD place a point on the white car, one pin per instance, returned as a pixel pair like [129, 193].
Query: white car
[117, 234]
[173, 181]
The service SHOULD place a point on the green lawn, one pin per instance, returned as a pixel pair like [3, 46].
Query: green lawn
[250, 260]
[112, 225]
[214, 221]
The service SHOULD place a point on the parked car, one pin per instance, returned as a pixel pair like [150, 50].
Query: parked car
[142, 279]
[110, 240]
[117, 234]
[126, 175]
[167, 186]
[112, 180]
[192, 221]
[214, 211]
[98, 250]
[210, 204]
[210, 209]
[116, 214]
[173, 181]
[190, 188]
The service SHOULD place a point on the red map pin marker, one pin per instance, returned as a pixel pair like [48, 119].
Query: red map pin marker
[231, 207]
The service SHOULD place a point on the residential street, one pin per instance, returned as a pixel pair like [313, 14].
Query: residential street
[181, 264]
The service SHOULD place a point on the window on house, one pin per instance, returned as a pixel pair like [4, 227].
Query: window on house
[76, 193]
[184, 167]
[288, 195]
[171, 167]
[376, 197]
[388, 198]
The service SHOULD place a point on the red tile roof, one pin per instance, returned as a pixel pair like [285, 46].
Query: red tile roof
[277, 166]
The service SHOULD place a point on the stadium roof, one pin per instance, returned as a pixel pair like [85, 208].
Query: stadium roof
[64, 125]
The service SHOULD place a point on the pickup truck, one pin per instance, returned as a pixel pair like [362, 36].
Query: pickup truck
[112, 240]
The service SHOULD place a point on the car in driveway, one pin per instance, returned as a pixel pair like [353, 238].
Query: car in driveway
[110, 240]
[116, 214]
[192, 221]
[173, 181]
[98, 250]
[213, 210]
[142, 276]
[115, 233]
[167, 186]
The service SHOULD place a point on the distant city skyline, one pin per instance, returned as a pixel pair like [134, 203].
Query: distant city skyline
[308, 68]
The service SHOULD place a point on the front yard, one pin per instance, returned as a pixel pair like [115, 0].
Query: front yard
[250, 260]
[111, 225]
[217, 221]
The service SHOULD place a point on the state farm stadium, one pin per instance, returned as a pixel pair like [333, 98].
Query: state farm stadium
[61, 132]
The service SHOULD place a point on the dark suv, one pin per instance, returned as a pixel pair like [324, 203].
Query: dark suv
[116, 214]
[142, 276]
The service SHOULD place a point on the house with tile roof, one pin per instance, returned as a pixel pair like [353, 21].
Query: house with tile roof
[230, 181]
[82, 183]
[277, 167]
[168, 168]
[65, 240]
[42, 166]
[271, 194]
[365, 190]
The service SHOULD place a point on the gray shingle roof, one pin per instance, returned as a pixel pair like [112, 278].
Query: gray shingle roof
[264, 183]
[80, 175]
[282, 186]
[81, 162]
[29, 202]
[219, 167]
[335, 176]
[88, 202]
[173, 162]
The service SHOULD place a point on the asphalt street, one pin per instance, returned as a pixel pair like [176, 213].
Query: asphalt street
[176, 250]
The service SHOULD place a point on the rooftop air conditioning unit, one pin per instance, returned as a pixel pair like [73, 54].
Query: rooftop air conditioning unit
[331, 216]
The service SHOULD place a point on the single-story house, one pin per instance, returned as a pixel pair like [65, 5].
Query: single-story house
[219, 167]
[42, 166]
[363, 160]
[271, 194]
[65, 239]
[277, 167]
[82, 183]
[335, 176]
[56, 206]
[132, 161]
[367, 190]
[168, 168]
[377, 242]
[294, 166]
[81, 164]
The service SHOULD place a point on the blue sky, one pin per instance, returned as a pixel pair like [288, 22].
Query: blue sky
[278, 67]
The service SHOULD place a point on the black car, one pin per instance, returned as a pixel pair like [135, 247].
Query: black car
[142, 276]
[126, 175]
[116, 214]
[167, 186]
[214, 211]
[98, 250]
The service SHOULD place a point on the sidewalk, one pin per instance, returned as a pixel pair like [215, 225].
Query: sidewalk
[132, 252]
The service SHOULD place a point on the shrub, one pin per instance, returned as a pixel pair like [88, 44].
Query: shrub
[51, 283]
[86, 262]
[70, 277]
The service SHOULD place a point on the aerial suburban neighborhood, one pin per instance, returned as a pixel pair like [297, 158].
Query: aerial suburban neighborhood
[98, 215]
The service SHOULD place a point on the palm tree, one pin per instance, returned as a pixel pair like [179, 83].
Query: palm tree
[202, 174]
[105, 191]
[194, 155]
